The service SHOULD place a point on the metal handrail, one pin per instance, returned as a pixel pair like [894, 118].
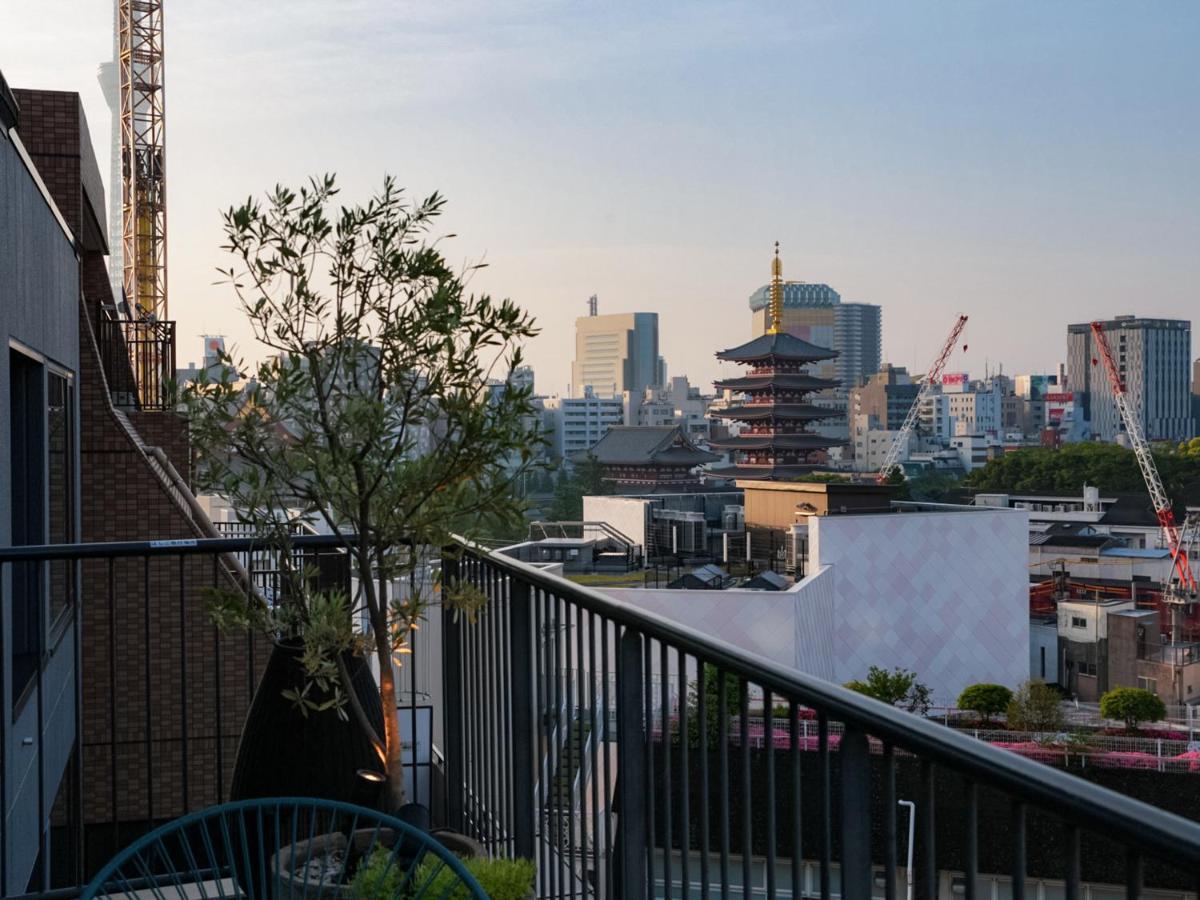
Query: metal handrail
[1113, 814]
[176, 547]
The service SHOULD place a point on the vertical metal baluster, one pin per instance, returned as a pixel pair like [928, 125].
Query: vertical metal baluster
[685, 787]
[559, 749]
[797, 811]
[581, 713]
[972, 848]
[522, 699]
[723, 775]
[1073, 892]
[928, 869]
[112, 703]
[218, 708]
[492, 689]
[1018, 869]
[825, 803]
[889, 822]
[597, 736]
[769, 744]
[470, 725]
[651, 776]
[183, 686]
[147, 681]
[479, 805]
[541, 757]
[668, 834]
[509, 670]
[747, 794]
[454, 705]
[609, 849]
[572, 737]
[854, 754]
[1133, 874]
[633, 732]
[702, 750]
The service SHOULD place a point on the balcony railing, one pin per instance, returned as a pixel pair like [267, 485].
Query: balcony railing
[138, 356]
[617, 787]
[159, 693]
[601, 741]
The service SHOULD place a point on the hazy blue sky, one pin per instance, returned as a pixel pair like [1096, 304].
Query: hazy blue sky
[1030, 164]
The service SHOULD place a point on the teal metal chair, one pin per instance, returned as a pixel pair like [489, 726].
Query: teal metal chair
[280, 848]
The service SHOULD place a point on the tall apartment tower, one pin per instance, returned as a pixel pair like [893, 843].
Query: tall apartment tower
[816, 313]
[615, 353]
[1153, 357]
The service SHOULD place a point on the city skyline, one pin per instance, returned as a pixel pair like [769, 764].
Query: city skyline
[998, 161]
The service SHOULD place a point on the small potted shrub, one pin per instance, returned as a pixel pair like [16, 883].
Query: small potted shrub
[501, 879]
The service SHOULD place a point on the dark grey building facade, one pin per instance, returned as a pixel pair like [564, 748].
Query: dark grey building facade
[1154, 357]
[39, 497]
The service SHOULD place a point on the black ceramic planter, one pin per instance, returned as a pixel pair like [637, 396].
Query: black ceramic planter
[284, 753]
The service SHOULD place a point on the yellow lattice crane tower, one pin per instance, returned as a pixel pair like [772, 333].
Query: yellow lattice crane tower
[143, 156]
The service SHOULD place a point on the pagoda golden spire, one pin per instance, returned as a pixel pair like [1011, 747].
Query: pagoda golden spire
[775, 325]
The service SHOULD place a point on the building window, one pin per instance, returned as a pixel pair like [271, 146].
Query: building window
[1078, 622]
[60, 449]
[1148, 684]
[27, 433]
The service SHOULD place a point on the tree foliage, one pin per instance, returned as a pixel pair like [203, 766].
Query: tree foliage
[584, 479]
[718, 692]
[369, 416]
[986, 699]
[1035, 707]
[898, 687]
[1133, 706]
[1109, 467]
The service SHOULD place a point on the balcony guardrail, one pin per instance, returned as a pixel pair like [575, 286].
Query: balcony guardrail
[160, 713]
[686, 809]
[138, 356]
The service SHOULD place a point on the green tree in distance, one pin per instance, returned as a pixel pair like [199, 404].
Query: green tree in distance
[1133, 706]
[898, 687]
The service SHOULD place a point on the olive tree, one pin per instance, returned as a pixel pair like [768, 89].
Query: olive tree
[369, 414]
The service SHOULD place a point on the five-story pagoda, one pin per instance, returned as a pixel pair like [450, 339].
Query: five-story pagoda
[774, 442]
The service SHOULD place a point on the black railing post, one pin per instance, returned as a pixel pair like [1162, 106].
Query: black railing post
[631, 771]
[855, 755]
[524, 739]
[452, 703]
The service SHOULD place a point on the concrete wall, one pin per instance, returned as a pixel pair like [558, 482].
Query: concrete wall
[39, 302]
[787, 627]
[626, 514]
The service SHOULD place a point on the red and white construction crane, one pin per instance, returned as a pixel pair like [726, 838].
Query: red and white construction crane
[1182, 587]
[931, 379]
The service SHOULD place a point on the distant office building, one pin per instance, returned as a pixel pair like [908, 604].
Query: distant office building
[887, 396]
[1196, 395]
[1153, 357]
[616, 353]
[816, 313]
[214, 347]
[575, 424]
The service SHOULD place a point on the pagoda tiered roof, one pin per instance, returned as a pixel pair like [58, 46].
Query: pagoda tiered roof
[785, 381]
[779, 346]
[753, 412]
[800, 441]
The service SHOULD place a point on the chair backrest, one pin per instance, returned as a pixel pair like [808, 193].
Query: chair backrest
[277, 848]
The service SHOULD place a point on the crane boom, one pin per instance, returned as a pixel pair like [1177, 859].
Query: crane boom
[910, 420]
[1141, 449]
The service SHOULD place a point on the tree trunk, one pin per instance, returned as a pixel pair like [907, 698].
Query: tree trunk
[394, 790]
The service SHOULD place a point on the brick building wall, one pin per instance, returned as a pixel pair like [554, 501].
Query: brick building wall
[159, 682]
